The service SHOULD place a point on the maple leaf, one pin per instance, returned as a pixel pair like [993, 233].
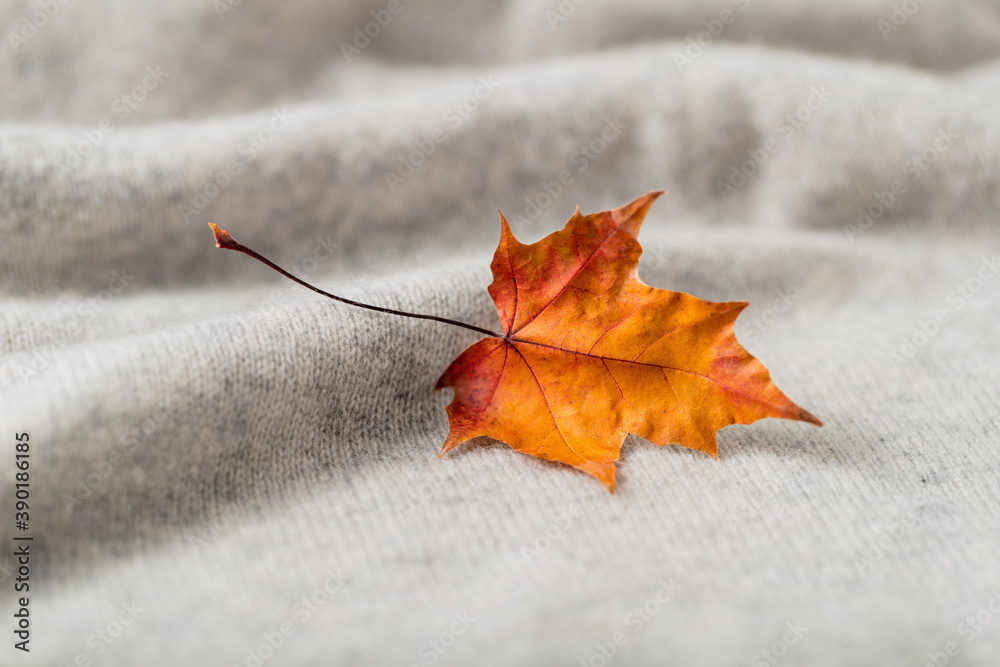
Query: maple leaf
[590, 354]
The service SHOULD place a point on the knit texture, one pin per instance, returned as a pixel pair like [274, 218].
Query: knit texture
[227, 469]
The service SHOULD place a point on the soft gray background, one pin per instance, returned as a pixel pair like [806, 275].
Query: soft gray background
[276, 436]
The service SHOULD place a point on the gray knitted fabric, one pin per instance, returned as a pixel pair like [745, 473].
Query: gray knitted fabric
[227, 469]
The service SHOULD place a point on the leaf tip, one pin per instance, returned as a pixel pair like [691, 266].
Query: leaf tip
[449, 445]
[505, 231]
[604, 471]
[806, 416]
[631, 215]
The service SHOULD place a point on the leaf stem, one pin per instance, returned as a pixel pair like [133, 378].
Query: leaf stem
[224, 240]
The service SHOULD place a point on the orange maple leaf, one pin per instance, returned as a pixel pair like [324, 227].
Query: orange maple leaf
[590, 353]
